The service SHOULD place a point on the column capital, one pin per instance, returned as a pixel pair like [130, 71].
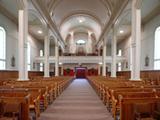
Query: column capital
[22, 4]
[71, 33]
[137, 4]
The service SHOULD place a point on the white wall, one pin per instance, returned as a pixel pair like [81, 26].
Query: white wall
[108, 51]
[12, 44]
[52, 50]
[125, 46]
[147, 44]
[35, 51]
[148, 37]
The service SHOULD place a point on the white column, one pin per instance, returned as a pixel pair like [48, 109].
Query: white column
[114, 54]
[99, 69]
[135, 42]
[46, 55]
[89, 43]
[61, 70]
[72, 44]
[104, 59]
[22, 42]
[56, 59]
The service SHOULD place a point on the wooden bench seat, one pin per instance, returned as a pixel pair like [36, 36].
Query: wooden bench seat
[14, 106]
[117, 95]
[111, 91]
[42, 91]
[128, 106]
[20, 92]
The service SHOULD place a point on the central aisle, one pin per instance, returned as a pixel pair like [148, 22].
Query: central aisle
[78, 102]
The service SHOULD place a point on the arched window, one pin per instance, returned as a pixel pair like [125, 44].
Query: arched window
[29, 55]
[2, 48]
[157, 49]
[119, 63]
[41, 64]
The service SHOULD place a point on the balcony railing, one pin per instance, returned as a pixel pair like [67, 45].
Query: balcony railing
[80, 59]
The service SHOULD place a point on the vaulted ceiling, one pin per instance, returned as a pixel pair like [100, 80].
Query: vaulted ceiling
[94, 14]
[65, 16]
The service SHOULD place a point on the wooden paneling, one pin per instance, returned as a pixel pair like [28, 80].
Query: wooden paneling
[150, 74]
[126, 74]
[4, 74]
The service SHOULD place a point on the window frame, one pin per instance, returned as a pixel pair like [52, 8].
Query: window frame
[28, 56]
[3, 59]
[41, 65]
[119, 64]
[156, 49]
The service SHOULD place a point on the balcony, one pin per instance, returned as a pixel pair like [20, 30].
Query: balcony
[80, 59]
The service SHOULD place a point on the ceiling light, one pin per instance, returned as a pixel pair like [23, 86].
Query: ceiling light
[39, 31]
[100, 63]
[121, 31]
[81, 19]
[81, 42]
[60, 63]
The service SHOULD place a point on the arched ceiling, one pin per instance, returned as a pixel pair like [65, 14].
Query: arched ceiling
[64, 13]
[65, 8]
[35, 25]
[67, 15]
[80, 23]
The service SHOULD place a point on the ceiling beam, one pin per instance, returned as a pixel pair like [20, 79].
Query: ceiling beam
[52, 3]
[111, 22]
[46, 16]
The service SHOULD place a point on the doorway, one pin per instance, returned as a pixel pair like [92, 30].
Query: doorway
[81, 72]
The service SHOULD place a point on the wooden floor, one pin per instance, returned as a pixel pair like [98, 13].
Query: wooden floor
[78, 102]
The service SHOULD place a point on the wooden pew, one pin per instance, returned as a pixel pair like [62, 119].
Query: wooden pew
[18, 92]
[117, 95]
[110, 90]
[129, 111]
[7, 103]
[42, 91]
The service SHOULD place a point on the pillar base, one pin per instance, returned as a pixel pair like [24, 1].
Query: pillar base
[113, 76]
[23, 79]
[46, 76]
[134, 79]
